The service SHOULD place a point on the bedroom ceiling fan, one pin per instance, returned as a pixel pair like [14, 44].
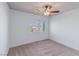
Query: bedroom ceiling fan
[49, 9]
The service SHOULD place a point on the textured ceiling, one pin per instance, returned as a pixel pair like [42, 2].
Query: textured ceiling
[31, 7]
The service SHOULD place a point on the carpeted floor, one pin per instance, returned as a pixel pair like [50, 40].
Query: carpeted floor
[43, 48]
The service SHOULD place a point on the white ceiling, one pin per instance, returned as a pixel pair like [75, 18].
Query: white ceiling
[31, 7]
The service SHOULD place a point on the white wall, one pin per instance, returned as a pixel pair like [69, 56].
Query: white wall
[3, 28]
[19, 28]
[64, 28]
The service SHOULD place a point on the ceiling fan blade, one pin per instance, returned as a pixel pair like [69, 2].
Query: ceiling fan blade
[55, 11]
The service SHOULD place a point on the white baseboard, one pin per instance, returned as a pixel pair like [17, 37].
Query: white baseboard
[18, 44]
[63, 43]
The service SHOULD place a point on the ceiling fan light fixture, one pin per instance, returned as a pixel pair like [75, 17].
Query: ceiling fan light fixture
[47, 13]
[49, 9]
